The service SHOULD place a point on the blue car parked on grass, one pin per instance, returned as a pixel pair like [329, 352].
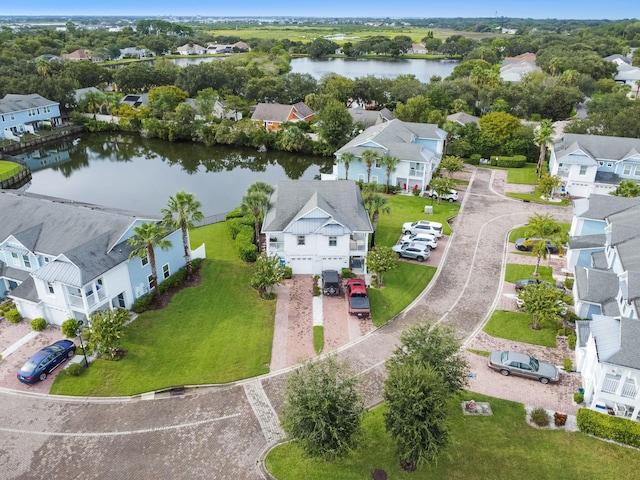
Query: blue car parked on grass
[45, 361]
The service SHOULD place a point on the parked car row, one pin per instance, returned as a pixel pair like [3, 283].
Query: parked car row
[414, 250]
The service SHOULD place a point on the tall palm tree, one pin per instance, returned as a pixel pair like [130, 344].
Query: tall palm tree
[257, 202]
[369, 157]
[147, 237]
[545, 228]
[182, 210]
[390, 163]
[346, 158]
[375, 203]
[43, 67]
[543, 135]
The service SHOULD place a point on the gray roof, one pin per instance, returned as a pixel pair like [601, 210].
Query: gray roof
[583, 330]
[136, 99]
[12, 273]
[596, 286]
[588, 241]
[463, 118]
[81, 92]
[627, 353]
[17, 103]
[341, 201]
[617, 56]
[598, 147]
[370, 117]
[26, 291]
[600, 207]
[277, 112]
[599, 260]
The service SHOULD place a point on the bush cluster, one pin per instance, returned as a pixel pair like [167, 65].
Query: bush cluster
[5, 307]
[142, 303]
[70, 328]
[568, 283]
[567, 365]
[517, 161]
[242, 231]
[578, 397]
[38, 324]
[540, 417]
[347, 273]
[559, 419]
[288, 272]
[13, 315]
[611, 427]
[75, 370]
[571, 341]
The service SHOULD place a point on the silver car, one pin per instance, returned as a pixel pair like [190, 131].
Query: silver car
[415, 250]
[513, 363]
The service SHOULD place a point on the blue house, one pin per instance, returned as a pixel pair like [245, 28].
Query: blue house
[20, 114]
[589, 164]
[419, 146]
[61, 259]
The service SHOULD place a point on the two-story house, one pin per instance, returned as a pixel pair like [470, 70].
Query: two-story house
[272, 115]
[419, 146]
[589, 164]
[604, 255]
[20, 114]
[318, 225]
[60, 259]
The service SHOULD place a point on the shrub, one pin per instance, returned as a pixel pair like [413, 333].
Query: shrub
[540, 417]
[571, 341]
[559, 419]
[70, 328]
[568, 364]
[174, 281]
[511, 162]
[142, 303]
[615, 428]
[13, 315]
[38, 324]
[75, 370]
[288, 272]
[316, 290]
[474, 159]
[578, 398]
[248, 252]
[568, 283]
[347, 273]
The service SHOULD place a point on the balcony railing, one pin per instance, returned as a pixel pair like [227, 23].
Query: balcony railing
[276, 246]
[610, 384]
[76, 301]
[357, 245]
[629, 389]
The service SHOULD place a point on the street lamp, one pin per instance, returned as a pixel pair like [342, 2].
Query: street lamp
[84, 352]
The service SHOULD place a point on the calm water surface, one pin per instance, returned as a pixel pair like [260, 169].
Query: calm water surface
[139, 175]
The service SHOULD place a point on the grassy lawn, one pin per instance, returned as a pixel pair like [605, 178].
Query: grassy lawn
[217, 332]
[515, 326]
[407, 208]
[535, 198]
[9, 169]
[521, 232]
[523, 176]
[515, 272]
[502, 446]
[402, 286]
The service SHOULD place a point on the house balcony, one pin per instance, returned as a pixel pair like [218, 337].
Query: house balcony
[76, 301]
[416, 172]
[357, 243]
[615, 386]
[275, 248]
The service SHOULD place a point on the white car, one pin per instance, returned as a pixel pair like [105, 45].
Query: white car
[427, 238]
[452, 196]
[422, 226]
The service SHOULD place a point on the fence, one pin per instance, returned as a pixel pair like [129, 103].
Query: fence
[211, 219]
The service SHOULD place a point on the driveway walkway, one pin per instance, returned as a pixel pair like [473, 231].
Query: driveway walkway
[220, 432]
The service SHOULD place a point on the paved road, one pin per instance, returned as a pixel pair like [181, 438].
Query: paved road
[220, 432]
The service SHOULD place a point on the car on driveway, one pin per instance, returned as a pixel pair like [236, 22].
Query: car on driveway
[451, 196]
[526, 245]
[422, 226]
[414, 250]
[427, 238]
[330, 282]
[46, 361]
[514, 363]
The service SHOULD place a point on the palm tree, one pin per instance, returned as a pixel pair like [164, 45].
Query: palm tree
[369, 157]
[545, 228]
[147, 237]
[390, 163]
[43, 67]
[257, 202]
[346, 158]
[543, 135]
[375, 203]
[182, 210]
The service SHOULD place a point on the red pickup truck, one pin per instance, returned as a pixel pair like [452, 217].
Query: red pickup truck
[358, 298]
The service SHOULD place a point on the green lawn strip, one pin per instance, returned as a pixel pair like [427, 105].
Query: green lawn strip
[496, 447]
[318, 338]
[402, 286]
[535, 198]
[521, 232]
[482, 353]
[516, 271]
[216, 332]
[408, 208]
[9, 169]
[515, 326]
[523, 176]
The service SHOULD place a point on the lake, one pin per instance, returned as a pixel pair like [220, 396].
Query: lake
[137, 174]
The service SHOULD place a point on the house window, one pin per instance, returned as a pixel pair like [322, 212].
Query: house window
[627, 169]
[636, 172]
[144, 260]
[150, 282]
[601, 164]
[16, 260]
[50, 287]
[301, 240]
[333, 241]
[25, 259]
[374, 179]
[583, 169]
[165, 271]
[361, 177]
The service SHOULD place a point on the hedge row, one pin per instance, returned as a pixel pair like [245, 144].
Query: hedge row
[517, 161]
[611, 427]
[242, 231]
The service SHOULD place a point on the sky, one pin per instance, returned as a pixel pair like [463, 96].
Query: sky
[558, 9]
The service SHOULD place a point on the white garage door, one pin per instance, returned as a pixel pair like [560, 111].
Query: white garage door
[335, 263]
[301, 265]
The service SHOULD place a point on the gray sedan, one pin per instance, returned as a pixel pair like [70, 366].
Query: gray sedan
[508, 363]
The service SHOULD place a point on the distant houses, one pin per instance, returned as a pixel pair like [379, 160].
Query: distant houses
[20, 114]
[272, 115]
[514, 68]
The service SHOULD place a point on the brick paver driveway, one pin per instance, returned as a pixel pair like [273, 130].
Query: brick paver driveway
[220, 432]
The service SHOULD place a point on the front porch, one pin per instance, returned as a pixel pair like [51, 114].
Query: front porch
[617, 396]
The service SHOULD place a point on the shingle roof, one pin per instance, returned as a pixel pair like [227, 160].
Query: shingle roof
[627, 354]
[341, 200]
[600, 207]
[277, 112]
[463, 118]
[596, 286]
[588, 241]
[16, 103]
[597, 146]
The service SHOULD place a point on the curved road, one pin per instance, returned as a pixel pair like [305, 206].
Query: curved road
[220, 432]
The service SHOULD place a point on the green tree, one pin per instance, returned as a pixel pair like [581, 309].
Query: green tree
[452, 164]
[323, 407]
[390, 163]
[627, 188]
[375, 203]
[205, 102]
[257, 202]
[544, 227]
[544, 303]
[380, 260]
[181, 212]
[105, 332]
[500, 127]
[369, 157]
[543, 135]
[43, 67]
[334, 123]
[147, 237]
[548, 183]
[165, 99]
[346, 158]
[441, 186]
[268, 272]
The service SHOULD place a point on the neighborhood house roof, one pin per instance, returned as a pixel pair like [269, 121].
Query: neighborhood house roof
[277, 112]
[598, 147]
[463, 118]
[16, 103]
[600, 207]
[616, 340]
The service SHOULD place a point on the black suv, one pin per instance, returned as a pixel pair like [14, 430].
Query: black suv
[330, 282]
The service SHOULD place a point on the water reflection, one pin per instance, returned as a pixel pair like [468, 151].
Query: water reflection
[133, 173]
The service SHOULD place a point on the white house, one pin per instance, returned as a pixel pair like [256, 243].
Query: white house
[61, 259]
[604, 254]
[314, 226]
[589, 164]
[419, 146]
[514, 68]
[191, 49]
